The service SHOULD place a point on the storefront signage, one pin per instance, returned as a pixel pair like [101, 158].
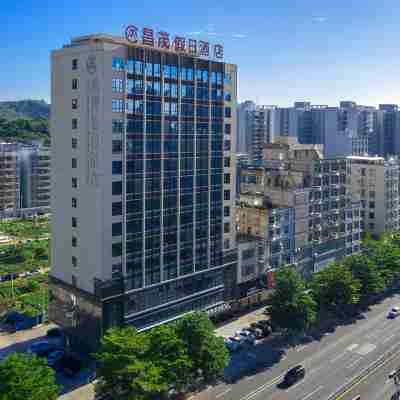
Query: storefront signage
[179, 44]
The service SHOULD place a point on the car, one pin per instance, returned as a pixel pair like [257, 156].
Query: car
[248, 336]
[394, 312]
[71, 365]
[54, 358]
[294, 375]
[257, 332]
[233, 344]
[54, 332]
[41, 349]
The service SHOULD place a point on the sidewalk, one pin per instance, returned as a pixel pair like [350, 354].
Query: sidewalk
[238, 324]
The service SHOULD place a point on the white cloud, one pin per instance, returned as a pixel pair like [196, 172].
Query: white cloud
[195, 33]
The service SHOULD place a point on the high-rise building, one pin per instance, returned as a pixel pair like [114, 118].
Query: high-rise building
[388, 130]
[243, 134]
[375, 183]
[35, 164]
[143, 182]
[9, 176]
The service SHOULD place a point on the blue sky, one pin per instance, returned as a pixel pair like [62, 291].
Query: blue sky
[286, 50]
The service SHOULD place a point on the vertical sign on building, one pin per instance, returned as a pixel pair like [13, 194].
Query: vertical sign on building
[93, 109]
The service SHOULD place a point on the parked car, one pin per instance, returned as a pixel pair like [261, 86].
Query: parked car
[55, 332]
[41, 349]
[394, 312]
[248, 336]
[71, 365]
[233, 344]
[294, 375]
[257, 332]
[55, 358]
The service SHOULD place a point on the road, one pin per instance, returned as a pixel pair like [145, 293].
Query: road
[332, 363]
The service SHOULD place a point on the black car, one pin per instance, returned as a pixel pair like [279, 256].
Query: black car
[294, 375]
[54, 332]
[71, 365]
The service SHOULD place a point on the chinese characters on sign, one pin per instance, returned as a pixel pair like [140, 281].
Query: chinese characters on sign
[179, 44]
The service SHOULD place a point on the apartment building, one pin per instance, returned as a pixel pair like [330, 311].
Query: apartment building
[143, 181]
[9, 177]
[375, 184]
[35, 168]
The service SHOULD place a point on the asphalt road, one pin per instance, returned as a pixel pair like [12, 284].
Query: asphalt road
[332, 363]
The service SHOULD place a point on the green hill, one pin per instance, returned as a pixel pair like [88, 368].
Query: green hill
[24, 120]
[11, 110]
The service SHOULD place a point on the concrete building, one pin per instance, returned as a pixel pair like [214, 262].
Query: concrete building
[243, 134]
[375, 183]
[327, 225]
[143, 184]
[35, 169]
[9, 177]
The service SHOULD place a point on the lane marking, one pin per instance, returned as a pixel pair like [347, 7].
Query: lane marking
[261, 388]
[390, 337]
[352, 347]
[337, 357]
[365, 349]
[300, 348]
[352, 364]
[313, 392]
[223, 393]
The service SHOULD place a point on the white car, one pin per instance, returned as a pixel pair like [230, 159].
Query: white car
[248, 336]
[394, 312]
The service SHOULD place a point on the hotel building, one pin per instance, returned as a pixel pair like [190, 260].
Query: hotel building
[143, 183]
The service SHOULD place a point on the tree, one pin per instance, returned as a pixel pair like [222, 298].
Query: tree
[123, 370]
[366, 271]
[24, 376]
[197, 331]
[169, 353]
[292, 308]
[335, 287]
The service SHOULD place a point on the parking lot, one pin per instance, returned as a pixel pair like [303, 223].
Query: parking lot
[75, 387]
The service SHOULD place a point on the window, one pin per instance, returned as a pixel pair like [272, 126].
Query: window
[117, 249]
[74, 241]
[117, 86]
[117, 167]
[75, 84]
[227, 179]
[227, 112]
[116, 270]
[74, 143]
[227, 162]
[74, 163]
[74, 183]
[228, 96]
[117, 188]
[74, 222]
[227, 145]
[117, 105]
[117, 126]
[74, 202]
[227, 78]
[227, 129]
[117, 64]
[227, 194]
[371, 215]
[227, 227]
[371, 226]
[117, 229]
[371, 204]
[74, 261]
[227, 244]
[227, 211]
[74, 281]
[75, 64]
[74, 104]
[372, 194]
[74, 123]
[117, 146]
[116, 209]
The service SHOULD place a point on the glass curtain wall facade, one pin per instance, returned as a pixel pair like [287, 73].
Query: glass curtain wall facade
[174, 176]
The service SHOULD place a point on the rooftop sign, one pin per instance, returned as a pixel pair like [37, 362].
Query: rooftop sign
[179, 44]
